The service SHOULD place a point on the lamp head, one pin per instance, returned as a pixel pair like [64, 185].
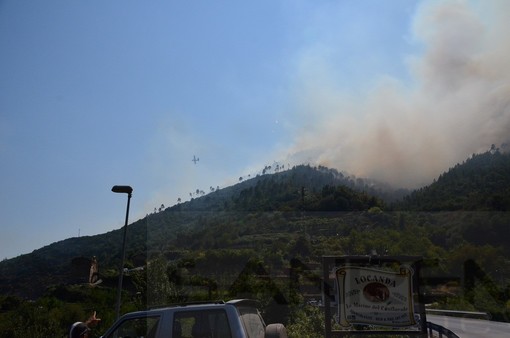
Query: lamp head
[122, 189]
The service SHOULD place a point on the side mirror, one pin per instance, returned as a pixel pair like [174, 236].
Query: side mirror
[276, 331]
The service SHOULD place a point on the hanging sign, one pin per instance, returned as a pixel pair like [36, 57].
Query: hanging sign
[377, 297]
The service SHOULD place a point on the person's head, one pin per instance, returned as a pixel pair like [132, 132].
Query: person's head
[79, 330]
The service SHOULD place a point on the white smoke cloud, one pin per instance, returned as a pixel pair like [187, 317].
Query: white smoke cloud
[408, 132]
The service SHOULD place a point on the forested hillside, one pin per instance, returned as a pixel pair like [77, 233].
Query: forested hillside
[299, 189]
[264, 238]
[480, 183]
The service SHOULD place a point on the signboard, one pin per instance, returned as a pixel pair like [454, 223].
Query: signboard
[377, 297]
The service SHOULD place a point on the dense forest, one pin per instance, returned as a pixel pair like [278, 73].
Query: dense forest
[480, 183]
[264, 237]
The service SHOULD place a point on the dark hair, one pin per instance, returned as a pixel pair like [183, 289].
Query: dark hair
[78, 329]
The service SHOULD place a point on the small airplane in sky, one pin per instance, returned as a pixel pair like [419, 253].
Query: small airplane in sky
[195, 159]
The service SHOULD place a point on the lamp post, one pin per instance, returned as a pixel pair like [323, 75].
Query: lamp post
[126, 189]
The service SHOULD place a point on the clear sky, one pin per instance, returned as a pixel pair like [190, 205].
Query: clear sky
[99, 93]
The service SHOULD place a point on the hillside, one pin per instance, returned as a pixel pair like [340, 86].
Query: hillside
[284, 189]
[65, 261]
[481, 183]
[213, 245]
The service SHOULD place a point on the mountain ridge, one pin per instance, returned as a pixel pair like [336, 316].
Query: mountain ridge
[227, 211]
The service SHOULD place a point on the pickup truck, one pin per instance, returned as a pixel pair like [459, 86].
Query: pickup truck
[232, 319]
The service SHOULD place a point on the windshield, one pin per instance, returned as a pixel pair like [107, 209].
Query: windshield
[252, 322]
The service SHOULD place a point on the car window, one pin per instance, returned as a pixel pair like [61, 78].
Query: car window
[140, 327]
[201, 324]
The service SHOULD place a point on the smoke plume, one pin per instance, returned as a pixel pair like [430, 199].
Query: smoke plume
[408, 132]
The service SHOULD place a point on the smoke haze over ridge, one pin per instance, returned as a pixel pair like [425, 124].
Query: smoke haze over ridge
[407, 132]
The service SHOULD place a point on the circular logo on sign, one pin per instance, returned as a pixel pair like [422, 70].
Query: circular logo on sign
[376, 292]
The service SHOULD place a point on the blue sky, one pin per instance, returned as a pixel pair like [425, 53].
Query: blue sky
[98, 93]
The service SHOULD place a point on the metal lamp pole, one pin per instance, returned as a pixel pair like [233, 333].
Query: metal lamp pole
[126, 189]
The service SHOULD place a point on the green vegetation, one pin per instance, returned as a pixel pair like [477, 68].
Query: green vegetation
[264, 237]
[480, 183]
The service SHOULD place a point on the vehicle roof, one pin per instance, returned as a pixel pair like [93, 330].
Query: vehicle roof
[195, 305]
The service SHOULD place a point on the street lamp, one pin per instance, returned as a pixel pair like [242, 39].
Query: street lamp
[125, 189]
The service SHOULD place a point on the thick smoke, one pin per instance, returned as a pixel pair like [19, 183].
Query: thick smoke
[408, 132]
